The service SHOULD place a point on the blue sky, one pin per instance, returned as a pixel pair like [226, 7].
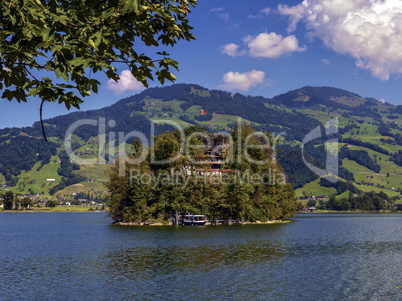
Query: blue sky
[267, 48]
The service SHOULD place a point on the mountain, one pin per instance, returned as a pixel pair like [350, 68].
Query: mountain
[369, 136]
[310, 96]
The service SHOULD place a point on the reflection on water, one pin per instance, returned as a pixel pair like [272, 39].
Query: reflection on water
[186, 258]
[76, 256]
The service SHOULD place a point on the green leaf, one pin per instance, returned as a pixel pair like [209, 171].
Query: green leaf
[8, 94]
[32, 92]
[92, 44]
[130, 5]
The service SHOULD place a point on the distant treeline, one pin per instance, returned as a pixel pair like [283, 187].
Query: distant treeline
[368, 201]
[357, 200]
[361, 157]
[397, 158]
[368, 145]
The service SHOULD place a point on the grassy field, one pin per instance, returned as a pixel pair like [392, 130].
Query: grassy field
[381, 159]
[352, 166]
[392, 181]
[97, 172]
[314, 188]
[325, 116]
[223, 120]
[34, 180]
[343, 195]
[94, 188]
[368, 188]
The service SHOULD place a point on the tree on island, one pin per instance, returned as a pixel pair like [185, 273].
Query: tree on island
[181, 178]
[74, 39]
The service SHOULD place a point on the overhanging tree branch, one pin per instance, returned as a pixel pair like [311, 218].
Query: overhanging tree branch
[77, 38]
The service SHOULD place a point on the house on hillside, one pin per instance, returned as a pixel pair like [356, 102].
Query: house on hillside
[50, 180]
[309, 209]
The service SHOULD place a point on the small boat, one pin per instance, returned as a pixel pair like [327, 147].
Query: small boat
[193, 220]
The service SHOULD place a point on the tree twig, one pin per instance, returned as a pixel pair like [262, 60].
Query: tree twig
[41, 120]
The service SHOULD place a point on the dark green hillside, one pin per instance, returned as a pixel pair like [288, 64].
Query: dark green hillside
[331, 100]
[125, 122]
[21, 153]
[259, 110]
[371, 130]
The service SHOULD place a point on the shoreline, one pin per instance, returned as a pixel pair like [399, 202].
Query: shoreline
[350, 212]
[51, 211]
[207, 224]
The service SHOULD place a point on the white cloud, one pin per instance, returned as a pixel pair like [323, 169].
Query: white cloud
[266, 45]
[368, 30]
[272, 45]
[325, 62]
[296, 12]
[127, 82]
[243, 81]
[224, 17]
[233, 50]
[221, 13]
[261, 14]
[217, 9]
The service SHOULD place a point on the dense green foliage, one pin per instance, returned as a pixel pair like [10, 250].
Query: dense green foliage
[188, 185]
[397, 158]
[297, 172]
[345, 174]
[8, 200]
[72, 39]
[369, 201]
[26, 202]
[51, 204]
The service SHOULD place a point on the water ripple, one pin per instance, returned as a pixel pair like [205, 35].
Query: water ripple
[317, 257]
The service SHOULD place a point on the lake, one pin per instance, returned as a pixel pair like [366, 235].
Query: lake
[81, 256]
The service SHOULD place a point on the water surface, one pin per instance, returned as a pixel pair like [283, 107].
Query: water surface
[81, 256]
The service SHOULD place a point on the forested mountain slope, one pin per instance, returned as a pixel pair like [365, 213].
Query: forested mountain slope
[369, 137]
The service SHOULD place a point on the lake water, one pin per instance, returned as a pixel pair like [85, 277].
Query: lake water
[81, 256]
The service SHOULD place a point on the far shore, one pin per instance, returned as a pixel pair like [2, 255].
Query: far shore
[349, 212]
[68, 210]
